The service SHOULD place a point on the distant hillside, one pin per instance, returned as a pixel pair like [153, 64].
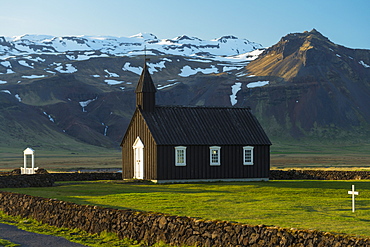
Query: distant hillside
[69, 91]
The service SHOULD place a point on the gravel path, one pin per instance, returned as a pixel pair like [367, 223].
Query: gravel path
[30, 239]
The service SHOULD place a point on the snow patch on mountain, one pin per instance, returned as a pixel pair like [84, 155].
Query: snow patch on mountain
[26, 64]
[113, 82]
[3, 82]
[18, 97]
[156, 67]
[9, 71]
[257, 84]
[84, 104]
[105, 128]
[234, 90]
[6, 64]
[50, 117]
[198, 60]
[33, 76]
[67, 69]
[36, 59]
[160, 87]
[5, 91]
[136, 70]
[144, 36]
[188, 71]
[110, 74]
[229, 68]
[364, 64]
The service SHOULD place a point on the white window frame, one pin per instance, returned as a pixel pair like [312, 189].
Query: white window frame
[245, 150]
[218, 149]
[178, 150]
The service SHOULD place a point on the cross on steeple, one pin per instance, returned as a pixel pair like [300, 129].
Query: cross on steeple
[146, 59]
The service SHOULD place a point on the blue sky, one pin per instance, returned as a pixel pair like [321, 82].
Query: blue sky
[344, 22]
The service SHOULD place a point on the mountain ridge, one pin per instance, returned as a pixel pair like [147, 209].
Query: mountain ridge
[110, 45]
[305, 86]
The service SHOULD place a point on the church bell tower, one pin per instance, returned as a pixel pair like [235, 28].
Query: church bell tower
[145, 91]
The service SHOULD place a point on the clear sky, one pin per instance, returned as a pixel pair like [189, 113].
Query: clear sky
[345, 22]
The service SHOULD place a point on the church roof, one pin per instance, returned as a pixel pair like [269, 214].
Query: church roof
[145, 84]
[178, 125]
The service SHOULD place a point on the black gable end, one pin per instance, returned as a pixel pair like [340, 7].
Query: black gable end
[145, 83]
[205, 126]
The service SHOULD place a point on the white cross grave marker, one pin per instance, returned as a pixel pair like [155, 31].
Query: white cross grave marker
[353, 193]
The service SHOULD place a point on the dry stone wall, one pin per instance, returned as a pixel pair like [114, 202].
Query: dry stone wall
[15, 180]
[318, 175]
[20, 181]
[154, 227]
[88, 176]
[44, 179]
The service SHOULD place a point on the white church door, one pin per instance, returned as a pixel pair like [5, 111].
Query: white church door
[138, 159]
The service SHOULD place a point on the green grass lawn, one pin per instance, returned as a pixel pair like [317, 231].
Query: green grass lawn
[321, 205]
[7, 243]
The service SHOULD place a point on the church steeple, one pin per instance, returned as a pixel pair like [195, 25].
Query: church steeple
[145, 91]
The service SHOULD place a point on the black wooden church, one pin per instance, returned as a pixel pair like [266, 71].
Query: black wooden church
[188, 144]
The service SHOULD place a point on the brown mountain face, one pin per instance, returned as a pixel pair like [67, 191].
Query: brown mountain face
[316, 88]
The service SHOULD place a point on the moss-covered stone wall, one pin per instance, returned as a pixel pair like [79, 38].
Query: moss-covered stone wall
[154, 227]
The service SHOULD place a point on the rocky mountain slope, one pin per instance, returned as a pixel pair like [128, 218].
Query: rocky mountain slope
[69, 91]
[316, 87]
[82, 88]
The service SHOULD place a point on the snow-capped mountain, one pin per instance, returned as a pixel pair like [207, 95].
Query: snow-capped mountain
[96, 46]
[81, 88]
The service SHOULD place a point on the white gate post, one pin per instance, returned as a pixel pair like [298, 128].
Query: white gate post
[25, 160]
[33, 161]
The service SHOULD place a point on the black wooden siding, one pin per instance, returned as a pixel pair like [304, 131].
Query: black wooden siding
[139, 128]
[146, 101]
[159, 160]
[198, 163]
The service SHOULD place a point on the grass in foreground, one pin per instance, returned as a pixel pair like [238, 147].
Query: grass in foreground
[7, 243]
[321, 205]
[103, 239]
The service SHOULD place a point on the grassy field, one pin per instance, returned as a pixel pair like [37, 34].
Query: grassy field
[284, 155]
[320, 155]
[321, 205]
[63, 160]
